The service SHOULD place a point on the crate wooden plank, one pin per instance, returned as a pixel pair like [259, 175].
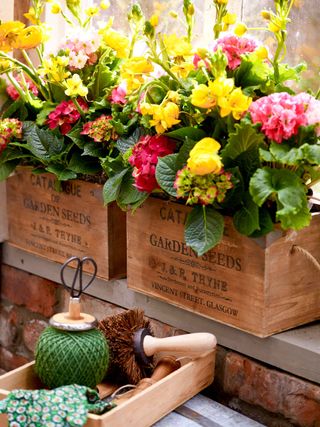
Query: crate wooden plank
[73, 222]
[261, 286]
[168, 393]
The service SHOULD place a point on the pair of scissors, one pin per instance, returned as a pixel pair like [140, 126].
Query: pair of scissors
[77, 290]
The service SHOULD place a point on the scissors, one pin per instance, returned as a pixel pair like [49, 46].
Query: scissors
[76, 291]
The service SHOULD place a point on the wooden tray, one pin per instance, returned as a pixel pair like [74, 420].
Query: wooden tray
[261, 286]
[141, 410]
[73, 222]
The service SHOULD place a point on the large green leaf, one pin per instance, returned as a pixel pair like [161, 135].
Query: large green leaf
[265, 223]
[46, 109]
[6, 168]
[187, 132]
[93, 149]
[252, 72]
[43, 143]
[84, 164]
[204, 229]
[245, 138]
[112, 186]
[166, 172]
[294, 220]
[129, 195]
[62, 173]
[124, 144]
[246, 219]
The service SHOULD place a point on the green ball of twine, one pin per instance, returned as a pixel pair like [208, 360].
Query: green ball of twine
[64, 357]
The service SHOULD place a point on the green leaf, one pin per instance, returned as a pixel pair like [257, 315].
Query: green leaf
[112, 166]
[246, 219]
[42, 116]
[265, 223]
[265, 155]
[284, 154]
[62, 173]
[124, 144]
[7, 168]
[129, 195]
[42, 143]
[111, 188]
[166, 172]
[252, 72]
[93, 149]
[204, 229]
[245, 138]
[295, 220]
[86, 165]
[76, 137]
[187, 132]
[13, 108]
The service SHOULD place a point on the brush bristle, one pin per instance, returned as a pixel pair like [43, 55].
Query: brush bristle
[119, 331]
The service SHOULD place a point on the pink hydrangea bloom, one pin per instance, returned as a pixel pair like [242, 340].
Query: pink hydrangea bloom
[118, 95]
[233, 47]
[100, 129]
[9, 129]
[65, 115]
[14, 94]
[144, 159]
[280, 114]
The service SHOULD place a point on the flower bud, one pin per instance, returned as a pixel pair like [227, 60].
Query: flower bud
[55, 8]
[104, 5]
[262, 52]
[266, 15]
[240, 29]
[173, 14]
[154, 20]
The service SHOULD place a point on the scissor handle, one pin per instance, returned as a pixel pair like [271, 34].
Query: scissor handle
[75, 293]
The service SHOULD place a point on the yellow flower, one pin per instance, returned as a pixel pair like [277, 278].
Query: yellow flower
[221, 86]
[92, 11]
[206, 145]
[55, 8]
[177, 46]
[9, 33]
[204, 163]
[261, 52]
[221, 1]
[204, 158]
[265, 14]
[118, 42]
[164, 116]
[31, 15]
[240, 29]
[104, 5]
[29, 37]
[75, 86]
[203, 97]
[5, 65]
[54, 68]
[182, 69]
[154, 20]
[173, 14]
[173, 96]
[236, 103]
[133, 71]
[229, 18]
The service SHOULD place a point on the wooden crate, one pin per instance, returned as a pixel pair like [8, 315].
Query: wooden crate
[141, 410]
[261, 286]
[3, 213]
[58, 225]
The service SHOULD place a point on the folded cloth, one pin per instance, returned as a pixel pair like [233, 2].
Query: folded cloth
[66, 406]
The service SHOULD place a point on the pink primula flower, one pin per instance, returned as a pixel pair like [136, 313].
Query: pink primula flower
[65, 115]
[118, 95]
[312, 110]
[280, 114]
[233, 47]
[144, 159]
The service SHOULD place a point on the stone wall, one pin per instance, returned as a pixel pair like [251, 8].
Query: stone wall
[271, 397]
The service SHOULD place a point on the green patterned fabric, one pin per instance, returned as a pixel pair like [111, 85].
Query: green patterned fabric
[66, 406]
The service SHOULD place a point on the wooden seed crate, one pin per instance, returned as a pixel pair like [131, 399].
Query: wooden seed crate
[261, 286]
[142, 410]
[74, 222]
[3, 213]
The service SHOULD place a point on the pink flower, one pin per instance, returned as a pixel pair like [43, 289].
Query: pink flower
[100, 129]
[144, 159]
[312, 110]
[233, 47]
[64, 115]
[118, 95]
[281, 115]
[14, 94]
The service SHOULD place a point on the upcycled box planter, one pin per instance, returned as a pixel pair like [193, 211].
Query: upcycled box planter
[3, 213]
[57, 225]
[165, 395]
[261, 286]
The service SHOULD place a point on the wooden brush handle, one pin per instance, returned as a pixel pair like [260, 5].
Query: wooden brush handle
[165, 366]
[187, 344]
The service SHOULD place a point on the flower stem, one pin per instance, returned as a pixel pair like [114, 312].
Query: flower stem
[78, 107]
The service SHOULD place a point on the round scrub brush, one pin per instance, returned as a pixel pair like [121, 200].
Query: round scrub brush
[132, 345]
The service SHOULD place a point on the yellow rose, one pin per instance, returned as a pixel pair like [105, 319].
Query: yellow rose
[9, 33]
[137, 65]
[29, 38]
[203, 97]
[203, 163]
[207, 144]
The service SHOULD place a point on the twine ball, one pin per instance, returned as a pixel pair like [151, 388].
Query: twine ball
[63, 357]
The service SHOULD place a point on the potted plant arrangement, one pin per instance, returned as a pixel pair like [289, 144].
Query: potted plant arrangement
[57, 120]
[229, 151]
